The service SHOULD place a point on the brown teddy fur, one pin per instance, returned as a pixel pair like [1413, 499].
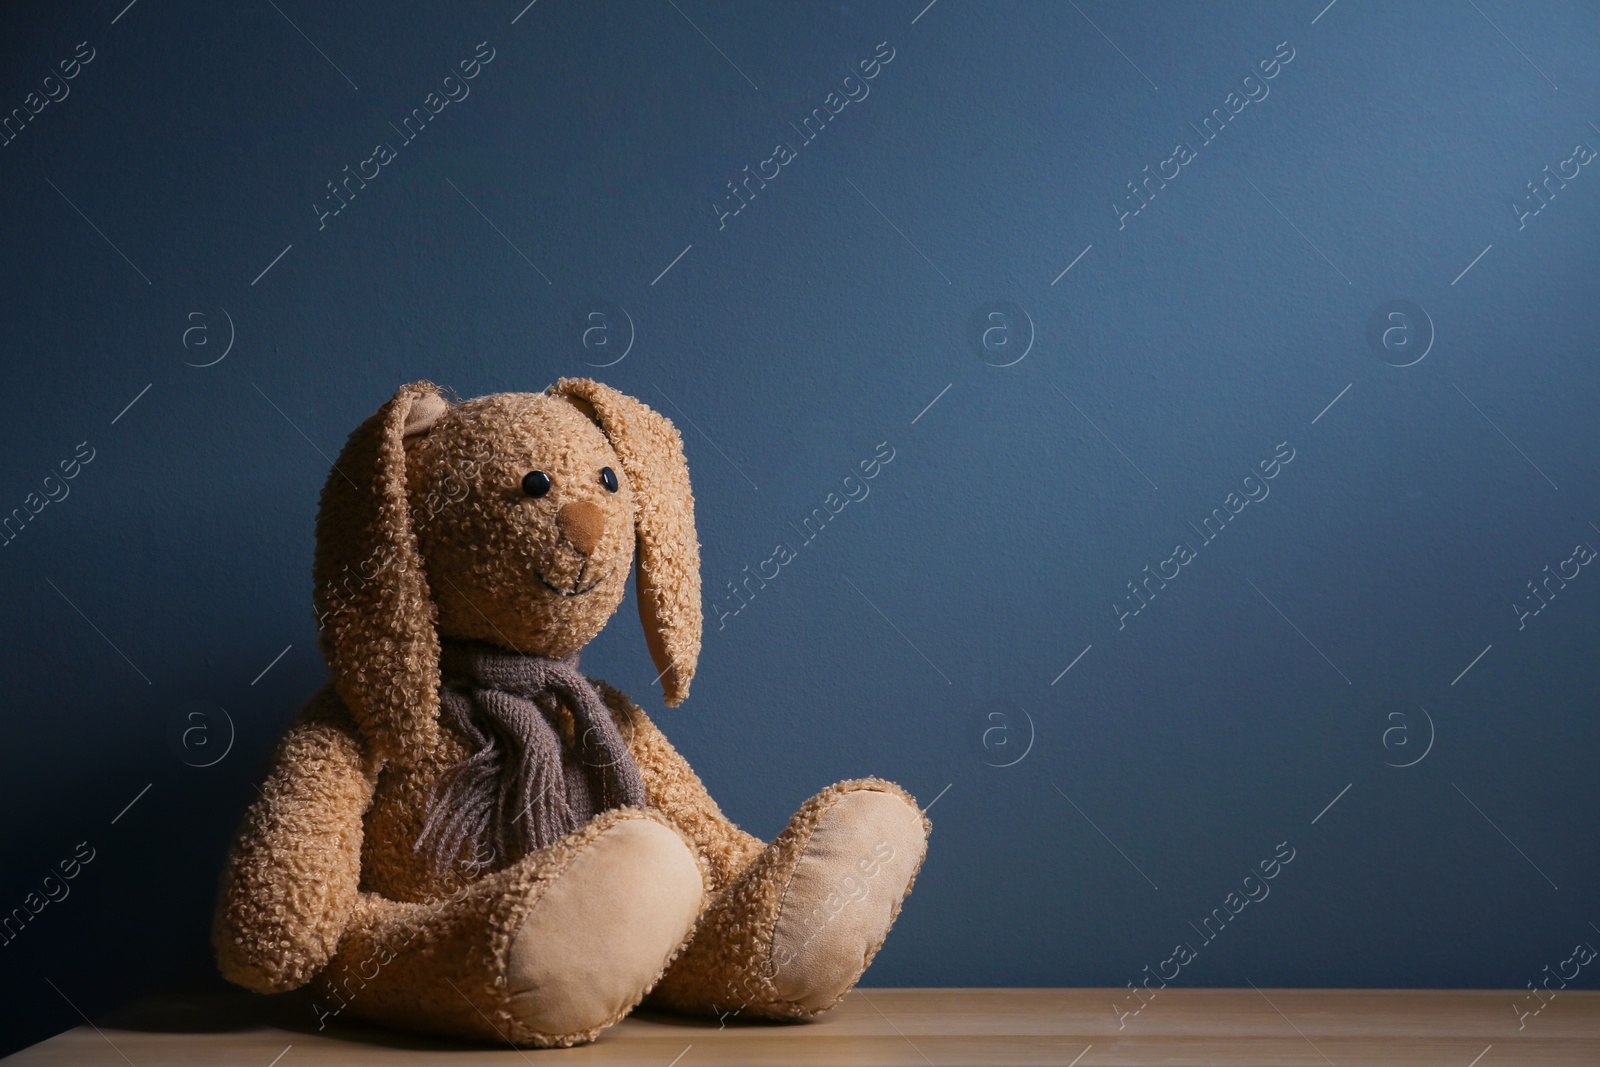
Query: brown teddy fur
[427, 532]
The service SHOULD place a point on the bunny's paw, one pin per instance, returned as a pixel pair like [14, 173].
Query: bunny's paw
[843, 895]
[603, 931]
[793, 933]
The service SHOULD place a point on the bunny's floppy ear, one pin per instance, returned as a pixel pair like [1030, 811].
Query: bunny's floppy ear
[669, 553]
[374, 610]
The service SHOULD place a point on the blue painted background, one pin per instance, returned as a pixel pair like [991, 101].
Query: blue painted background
[924, 634]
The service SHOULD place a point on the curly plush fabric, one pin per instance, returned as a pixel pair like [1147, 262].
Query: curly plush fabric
[522, 788]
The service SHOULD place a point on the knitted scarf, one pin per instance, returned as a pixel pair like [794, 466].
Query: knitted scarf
[521, 788]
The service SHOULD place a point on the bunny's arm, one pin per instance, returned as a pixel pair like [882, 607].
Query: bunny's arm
[677, 792]
[292, 881]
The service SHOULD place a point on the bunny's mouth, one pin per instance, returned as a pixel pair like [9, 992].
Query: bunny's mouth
[578, 588]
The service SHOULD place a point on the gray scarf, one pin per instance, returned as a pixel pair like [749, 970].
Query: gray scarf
[521, 788]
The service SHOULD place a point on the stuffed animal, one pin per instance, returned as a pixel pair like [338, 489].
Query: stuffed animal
[462, 833]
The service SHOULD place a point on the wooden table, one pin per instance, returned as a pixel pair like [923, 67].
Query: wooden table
[913, 1027]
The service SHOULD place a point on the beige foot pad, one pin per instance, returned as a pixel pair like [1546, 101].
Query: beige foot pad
[844, 894]
[603, 930]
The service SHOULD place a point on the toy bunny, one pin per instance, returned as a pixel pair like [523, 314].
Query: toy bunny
[463, 834]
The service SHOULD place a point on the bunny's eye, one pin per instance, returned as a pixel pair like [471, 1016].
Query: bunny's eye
[608, 478]
[536, 483]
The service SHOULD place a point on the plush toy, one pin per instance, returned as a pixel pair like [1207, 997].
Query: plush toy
[463, 834]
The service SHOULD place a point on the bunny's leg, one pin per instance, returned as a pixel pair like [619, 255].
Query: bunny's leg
[548, 952]
[791, 935]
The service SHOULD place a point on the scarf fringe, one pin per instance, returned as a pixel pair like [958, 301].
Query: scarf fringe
[514, 793]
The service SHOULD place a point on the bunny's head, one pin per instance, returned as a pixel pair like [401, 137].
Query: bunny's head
[510, 519]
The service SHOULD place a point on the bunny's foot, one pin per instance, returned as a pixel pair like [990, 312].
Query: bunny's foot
[547, 952]
[792, 934]
[601, 934]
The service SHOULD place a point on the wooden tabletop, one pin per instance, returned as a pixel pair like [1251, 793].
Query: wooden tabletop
[913, 1027]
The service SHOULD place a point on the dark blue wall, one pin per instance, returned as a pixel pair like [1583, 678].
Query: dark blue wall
[169, 203]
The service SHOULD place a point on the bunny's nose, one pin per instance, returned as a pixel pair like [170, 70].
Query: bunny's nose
[581, 523]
